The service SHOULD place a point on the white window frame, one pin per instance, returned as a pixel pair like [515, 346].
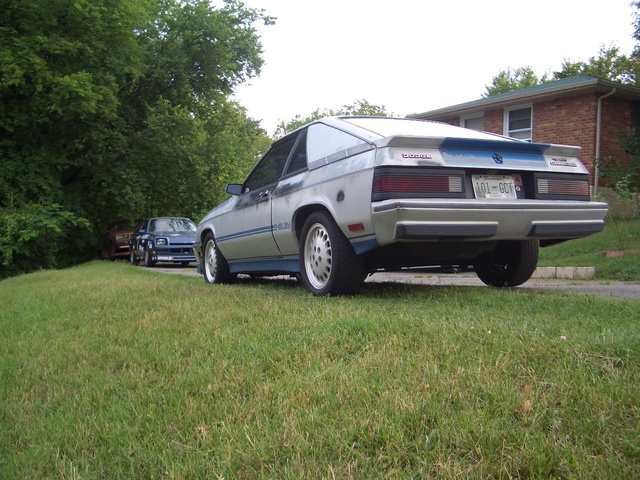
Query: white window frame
[505, 122]
[471, 117]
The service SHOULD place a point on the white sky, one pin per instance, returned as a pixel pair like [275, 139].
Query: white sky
[416, 55]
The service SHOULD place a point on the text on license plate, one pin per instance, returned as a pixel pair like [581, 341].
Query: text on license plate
[496, 186]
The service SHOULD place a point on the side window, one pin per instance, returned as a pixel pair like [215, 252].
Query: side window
[298, 160]
[323, 141]
[473, 122]
[270, 167]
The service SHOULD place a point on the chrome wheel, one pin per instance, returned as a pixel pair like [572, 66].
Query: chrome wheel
[328, 264]
[215, 268]
[318, 256]
[210, 261]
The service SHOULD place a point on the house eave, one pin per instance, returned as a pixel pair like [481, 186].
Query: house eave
[539, 93]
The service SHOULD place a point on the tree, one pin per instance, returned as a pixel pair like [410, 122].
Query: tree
[609, 64]
[108, 107]
[508, 80]
[360, 107]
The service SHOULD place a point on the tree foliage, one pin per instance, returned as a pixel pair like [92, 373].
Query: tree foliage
[608, 64]
[360, 107]
[624, 177]
[114, 108]
[511, 79]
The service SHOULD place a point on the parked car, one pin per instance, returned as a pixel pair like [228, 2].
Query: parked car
[115, 241]
[343, 197]
[163, 239]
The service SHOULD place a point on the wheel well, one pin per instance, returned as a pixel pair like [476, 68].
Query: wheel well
[204, 234]
[302, 214]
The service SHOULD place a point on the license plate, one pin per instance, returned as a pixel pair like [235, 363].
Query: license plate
[495, 186]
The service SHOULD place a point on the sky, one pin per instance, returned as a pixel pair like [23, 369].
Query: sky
[414, 56]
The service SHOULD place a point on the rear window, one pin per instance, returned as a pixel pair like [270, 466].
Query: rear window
[323, 141]
[387, 127]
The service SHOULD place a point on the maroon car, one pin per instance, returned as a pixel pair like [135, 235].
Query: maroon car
[115, 242]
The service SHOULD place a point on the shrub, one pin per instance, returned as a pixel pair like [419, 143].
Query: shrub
[36, 237]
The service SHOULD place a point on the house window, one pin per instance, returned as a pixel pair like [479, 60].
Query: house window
[517, 123]
[475, 122]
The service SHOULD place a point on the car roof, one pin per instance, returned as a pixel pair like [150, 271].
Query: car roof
[392, 131]
[373, 129]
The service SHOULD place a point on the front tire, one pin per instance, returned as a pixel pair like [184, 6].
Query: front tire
[148, 260]
[510, 264]
[328, 264]
[215, 267]
[132, 257]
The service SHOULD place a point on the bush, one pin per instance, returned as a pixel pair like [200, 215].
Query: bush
[36, 237]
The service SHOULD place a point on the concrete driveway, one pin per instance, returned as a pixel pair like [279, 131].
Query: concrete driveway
[603, 288]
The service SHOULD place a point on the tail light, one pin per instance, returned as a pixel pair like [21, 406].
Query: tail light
[562, 187]
[390, 182]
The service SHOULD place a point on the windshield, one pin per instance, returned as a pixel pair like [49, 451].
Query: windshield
[172, 225]
[387, 127]
[123, 225]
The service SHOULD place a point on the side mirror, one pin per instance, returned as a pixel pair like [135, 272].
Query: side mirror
[234, 188]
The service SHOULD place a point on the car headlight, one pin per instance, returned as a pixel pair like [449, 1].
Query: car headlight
[161, 241]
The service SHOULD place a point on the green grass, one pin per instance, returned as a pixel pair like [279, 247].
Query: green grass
[589, 252]
[109, 371]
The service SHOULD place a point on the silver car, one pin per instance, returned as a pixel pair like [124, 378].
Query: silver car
[343, 197]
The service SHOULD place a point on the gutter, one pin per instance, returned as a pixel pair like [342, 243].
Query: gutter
[596, 165]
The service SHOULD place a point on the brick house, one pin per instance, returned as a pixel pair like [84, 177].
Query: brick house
[585, 111]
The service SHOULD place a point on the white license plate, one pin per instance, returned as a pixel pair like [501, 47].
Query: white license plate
[495, 186]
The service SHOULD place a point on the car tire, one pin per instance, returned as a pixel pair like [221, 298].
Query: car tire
[510, 264]
[215, 268]
[328, 264]
[132, 257]
[148, 261]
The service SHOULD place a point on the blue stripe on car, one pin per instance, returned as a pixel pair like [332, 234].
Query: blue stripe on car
[245, 233]
[289, 264]
[492, 153]
[493, 145]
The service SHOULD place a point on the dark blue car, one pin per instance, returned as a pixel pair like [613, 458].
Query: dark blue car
[163, 239]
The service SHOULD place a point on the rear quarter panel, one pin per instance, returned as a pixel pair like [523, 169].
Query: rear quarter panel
[343, 188]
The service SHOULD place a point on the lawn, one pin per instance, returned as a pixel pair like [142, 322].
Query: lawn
[109, 371]
[618, 235]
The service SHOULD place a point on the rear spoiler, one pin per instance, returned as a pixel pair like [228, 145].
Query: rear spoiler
[479, 144]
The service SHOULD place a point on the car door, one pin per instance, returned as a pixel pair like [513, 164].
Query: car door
[247, 229]
[138, 237]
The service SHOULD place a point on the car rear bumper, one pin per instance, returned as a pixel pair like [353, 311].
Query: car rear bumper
[408, 220]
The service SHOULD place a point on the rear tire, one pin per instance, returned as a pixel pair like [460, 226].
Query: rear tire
[328, 264]
[215, 268]
[510, 264]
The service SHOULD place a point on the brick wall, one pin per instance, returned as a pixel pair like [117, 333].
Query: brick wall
[616, 120]
[493, 121]
[572, 121]
[568, 121]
